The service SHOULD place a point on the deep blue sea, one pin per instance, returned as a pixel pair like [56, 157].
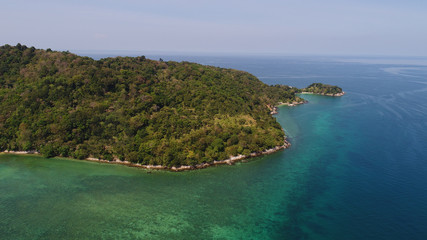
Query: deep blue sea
[357, 169]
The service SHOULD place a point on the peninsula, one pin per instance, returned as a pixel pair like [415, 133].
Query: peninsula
[135, 111]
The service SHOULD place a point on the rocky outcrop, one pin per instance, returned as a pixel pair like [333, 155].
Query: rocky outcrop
[326, 94]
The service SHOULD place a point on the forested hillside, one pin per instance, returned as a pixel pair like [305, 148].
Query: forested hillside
[134, 109]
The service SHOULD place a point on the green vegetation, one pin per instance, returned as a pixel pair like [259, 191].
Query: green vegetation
[323, 89]
[134, 109]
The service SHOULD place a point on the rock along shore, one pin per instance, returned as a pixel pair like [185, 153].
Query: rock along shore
[228, 161]
[326, 94]
[292, 104]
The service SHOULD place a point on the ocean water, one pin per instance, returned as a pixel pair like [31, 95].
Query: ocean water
[357, 169]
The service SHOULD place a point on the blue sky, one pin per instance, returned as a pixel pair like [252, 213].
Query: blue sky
[286, 27]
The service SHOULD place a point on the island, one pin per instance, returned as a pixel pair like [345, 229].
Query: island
[135, 111]
[323, 89]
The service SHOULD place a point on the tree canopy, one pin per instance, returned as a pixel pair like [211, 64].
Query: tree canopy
[323, 89]
[132, 108]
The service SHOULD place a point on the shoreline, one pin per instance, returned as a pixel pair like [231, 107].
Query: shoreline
[326, 94]
[230, 161]
[292, 104]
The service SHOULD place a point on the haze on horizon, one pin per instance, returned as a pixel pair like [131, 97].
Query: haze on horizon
[286, 27]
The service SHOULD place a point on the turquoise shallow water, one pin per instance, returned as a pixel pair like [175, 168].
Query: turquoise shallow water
[356, 170]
